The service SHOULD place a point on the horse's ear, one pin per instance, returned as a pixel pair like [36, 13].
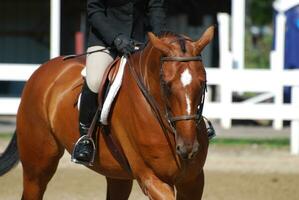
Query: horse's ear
[204, 40]
[159, 44]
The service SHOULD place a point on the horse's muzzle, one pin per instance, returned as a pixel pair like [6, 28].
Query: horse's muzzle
[187, 150]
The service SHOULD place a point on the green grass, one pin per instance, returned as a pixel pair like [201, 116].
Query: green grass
[5, 135]
[231, 142]
[269, 143]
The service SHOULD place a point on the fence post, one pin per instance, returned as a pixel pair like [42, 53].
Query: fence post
[55, 28]
[278, 65]
[238, 33]
[295, 123]
[225, 64]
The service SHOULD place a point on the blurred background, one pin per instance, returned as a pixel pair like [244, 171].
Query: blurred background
[252, 96]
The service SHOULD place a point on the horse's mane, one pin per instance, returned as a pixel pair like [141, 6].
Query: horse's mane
[164, 34]
[180, 38]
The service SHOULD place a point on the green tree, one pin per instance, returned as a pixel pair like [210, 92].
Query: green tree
[261, 12]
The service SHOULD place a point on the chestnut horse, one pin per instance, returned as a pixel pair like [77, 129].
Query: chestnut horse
[160, 159]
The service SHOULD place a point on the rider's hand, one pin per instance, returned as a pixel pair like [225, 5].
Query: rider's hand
[124, 44]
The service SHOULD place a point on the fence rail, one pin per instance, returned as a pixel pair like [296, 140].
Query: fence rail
[13, 72]
[16, 72]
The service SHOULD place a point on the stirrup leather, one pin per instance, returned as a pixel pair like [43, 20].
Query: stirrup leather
[84, 137]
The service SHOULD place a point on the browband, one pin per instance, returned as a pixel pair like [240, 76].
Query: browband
[182, 59]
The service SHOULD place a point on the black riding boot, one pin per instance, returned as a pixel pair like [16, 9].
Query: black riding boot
[84, 148]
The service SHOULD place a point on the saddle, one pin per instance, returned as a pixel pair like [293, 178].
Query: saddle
[112, 75]
[108, 78]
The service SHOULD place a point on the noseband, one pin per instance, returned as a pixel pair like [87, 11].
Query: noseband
[169, 116]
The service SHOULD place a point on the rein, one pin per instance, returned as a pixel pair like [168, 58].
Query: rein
[155, 108]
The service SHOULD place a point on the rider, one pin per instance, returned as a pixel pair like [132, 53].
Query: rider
[116, 24]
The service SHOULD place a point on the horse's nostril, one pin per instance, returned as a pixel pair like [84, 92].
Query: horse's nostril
[178, 148]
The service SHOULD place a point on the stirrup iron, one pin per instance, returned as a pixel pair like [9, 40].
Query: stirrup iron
[84, 137]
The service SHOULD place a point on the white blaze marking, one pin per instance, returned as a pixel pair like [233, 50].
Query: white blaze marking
[188, 104]
[186, 78]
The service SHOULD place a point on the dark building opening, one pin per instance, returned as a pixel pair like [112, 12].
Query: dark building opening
[24, 32]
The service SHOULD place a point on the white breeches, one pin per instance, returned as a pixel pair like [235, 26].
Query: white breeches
[96, 64]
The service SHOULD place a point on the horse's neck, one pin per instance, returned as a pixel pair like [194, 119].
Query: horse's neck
[150, 71]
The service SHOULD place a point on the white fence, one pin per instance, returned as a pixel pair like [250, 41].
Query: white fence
[21, 72]
[13, 72]
[270, 82]
[231, 81]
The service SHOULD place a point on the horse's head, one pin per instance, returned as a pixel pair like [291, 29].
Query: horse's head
[183, 84]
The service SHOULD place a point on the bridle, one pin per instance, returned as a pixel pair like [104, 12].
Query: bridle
[169, 116]
[171, 120]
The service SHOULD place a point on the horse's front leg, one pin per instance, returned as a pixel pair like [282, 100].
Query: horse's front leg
[154, 188]
[191, 189]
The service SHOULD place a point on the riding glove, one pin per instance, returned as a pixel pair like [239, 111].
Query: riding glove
[124, 44]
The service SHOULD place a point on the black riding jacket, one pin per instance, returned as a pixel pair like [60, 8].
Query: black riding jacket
[109, 18]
